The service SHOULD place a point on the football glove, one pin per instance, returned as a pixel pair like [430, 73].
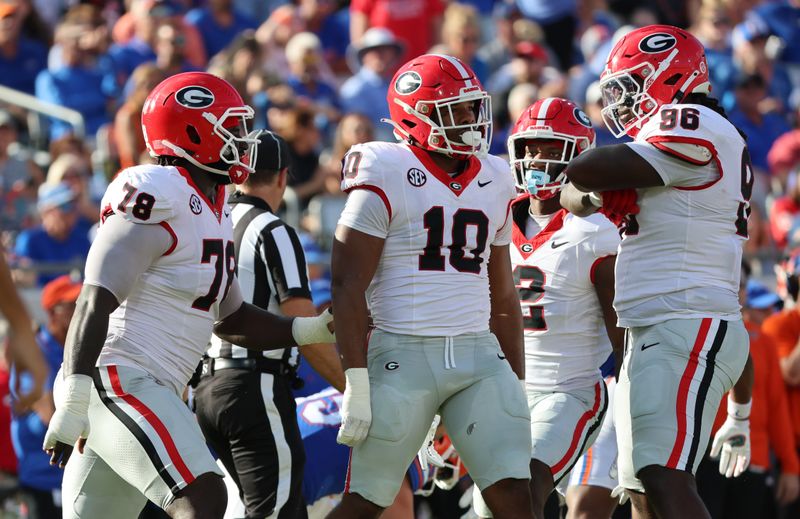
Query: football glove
[71, 418]
[356, 408]
[732, 441]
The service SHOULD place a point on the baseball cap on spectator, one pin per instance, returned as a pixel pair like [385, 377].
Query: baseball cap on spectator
[63, 289]
[760, 297]
[164, 8]
[272, 152]
[528, 49]
[58, 195]
[300, 44]
[377, 37]
[744, 81]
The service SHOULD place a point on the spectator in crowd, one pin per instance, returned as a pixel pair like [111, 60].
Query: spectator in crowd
[274, 34]
[21, 58]
[60, 243]
[377, 55]
[713, 28]
[40, 482]
[529, 65]
[241, 63]
[783, 19]
[770, 430]
[784, 155]
[304, 139]
[416, 24]
[218, 23]
[761, 125]
[519, 98]
[461, 37]
[79, 83]
[497, 51]
[785, 210]
[558, 20]
[128, 119]
[76, 172]
[19, 178]
[783, 329]
[754, 54]
[125, 28]
[306, 78]
[139, 48]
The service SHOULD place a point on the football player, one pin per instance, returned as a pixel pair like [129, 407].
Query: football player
[422, 242]
[564, 271]
[159, 276]
[685, 183]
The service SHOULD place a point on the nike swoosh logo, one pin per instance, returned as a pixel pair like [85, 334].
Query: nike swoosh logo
[501, 357]
[557, 245]
[645, 346]
[482, 184]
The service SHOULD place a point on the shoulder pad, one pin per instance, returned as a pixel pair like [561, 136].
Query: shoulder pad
[361, 165]
[143, 194]
[685, 132]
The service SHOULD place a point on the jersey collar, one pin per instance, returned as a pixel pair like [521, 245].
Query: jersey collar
[457, 184]
[525, 246]
[237, 197]
[216, 208]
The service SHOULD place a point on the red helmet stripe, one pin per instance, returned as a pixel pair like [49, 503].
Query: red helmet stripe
[459, 67]
[544, 107]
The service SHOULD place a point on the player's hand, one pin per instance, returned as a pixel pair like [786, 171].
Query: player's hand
[620, 202]
[356, 408]
[732, 446]
[427, 454]
[621, 494]
[314, 330]
[70, 422]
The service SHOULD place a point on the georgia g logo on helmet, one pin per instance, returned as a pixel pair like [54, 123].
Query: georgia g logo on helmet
[194, 97]
[582, 118]
[408, 83]
[658, 42]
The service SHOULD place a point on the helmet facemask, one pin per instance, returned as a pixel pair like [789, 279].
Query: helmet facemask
[626, 104]
[475, 137]
[543, 177]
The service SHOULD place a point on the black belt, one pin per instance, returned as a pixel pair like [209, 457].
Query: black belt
[262, 365]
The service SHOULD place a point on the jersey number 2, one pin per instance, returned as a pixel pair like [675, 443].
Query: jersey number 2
[530, 284]
[432, 257]
[226, 254]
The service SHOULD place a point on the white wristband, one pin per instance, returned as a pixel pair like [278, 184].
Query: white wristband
[738, 411]
[312, 330]
[595, 199]
[74, 394]
[357, 380]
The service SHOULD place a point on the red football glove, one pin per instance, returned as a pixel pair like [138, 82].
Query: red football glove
[619, 203]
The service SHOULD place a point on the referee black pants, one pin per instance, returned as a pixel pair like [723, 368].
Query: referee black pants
[249, 418]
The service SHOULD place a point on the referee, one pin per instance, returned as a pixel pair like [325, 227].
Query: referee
[243, 398]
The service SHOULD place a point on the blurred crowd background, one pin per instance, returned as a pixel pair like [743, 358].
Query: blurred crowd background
[74, 76]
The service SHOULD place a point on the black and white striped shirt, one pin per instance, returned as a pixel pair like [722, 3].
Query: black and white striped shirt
[271, 268]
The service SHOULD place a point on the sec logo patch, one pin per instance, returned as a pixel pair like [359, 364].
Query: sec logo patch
[416, 177]
[194, 204]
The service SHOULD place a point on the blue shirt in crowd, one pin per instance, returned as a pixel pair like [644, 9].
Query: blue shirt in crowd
[79, 88]
[365, 93]
[783, 19]
[216, 37]
[27, 430]
[760, 137]
[20, 71]
[38, 246]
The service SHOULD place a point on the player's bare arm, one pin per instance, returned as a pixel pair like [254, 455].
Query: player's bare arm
[612, 167]
[604, 286]
[506, 315]
[112, 268]
[354, 260]
[742, 391]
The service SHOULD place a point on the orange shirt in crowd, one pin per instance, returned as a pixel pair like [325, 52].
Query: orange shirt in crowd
[783, 329]
[768, 426]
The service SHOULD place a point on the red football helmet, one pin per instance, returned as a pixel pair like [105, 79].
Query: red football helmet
[203, 119]
[647, 68]
[424, 90]
[555, 120]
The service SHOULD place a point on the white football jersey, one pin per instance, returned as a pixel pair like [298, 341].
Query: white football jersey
[164, 324]
[565, 337]
[680, 256]
[432, 279]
